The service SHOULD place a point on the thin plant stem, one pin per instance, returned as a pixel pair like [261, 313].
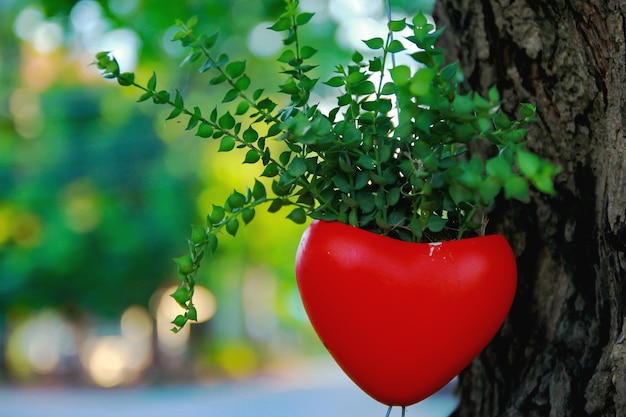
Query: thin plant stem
[393, 56]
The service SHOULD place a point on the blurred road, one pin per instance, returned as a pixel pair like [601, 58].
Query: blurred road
[321, 391]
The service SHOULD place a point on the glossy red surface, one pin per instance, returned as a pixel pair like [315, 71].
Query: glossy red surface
[402, 319]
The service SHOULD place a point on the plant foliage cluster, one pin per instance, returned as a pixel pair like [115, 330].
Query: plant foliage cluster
[391, 157]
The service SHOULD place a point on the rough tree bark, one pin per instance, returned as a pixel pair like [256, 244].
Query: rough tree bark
[562, 351]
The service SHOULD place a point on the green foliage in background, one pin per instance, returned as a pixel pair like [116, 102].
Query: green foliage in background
[92, 199]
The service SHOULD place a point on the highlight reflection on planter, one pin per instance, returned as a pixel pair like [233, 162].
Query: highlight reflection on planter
[402, 319]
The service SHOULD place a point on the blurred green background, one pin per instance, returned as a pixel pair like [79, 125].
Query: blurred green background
[98, 192]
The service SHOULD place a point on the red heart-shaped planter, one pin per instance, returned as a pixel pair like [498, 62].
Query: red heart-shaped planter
[402, 319]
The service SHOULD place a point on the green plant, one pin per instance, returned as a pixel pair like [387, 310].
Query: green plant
[391, 157]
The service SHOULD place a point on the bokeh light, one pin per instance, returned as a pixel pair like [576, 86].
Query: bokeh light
[41, 344]
[263, 42]
[120, 358]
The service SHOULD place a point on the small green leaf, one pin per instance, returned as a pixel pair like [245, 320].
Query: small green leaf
[257, 94]
[397, 25]
[376, 64]
[342, 183]
[242, 83]
[436, 224]
[395, 46]
[247, 214]
[236, 200]
[176, 111]
[217, 215]
[276, 205]
[375, 43]
[420, 19]
[208, 64]
[297, 215]
[364, 88]
[145, 96]
[112, 68]
[126, 78]
[307, 52]
[499, 167]
[421, 81]
[161, 97]
[543, 181]
[494, 95]
[460, 194]
[192, 313]
[193, 20]
[501, 121]
[179, 321]
[344, 100]
[416, 228]
[463, 105]
[250, 135]
[529, 163]
[258, 190]
[297, 167]
[221, 60]
[304, 18]
[210, 41]
[516, 187]
[336, 81]
[365, 201]
[285, 157]
[355, 78]
[205, 130]
[388, 89]
[219, 79]
[287, 56]
[274, 130]
[227, 144]
[489, 189]
[271, 170]
[252, 156]
[527, 110]
[152, 82]
[266, 104]
[181, 296]
[211, 243]
[235, 69]
[230, 95]
[449, 71]
[178, 100]
[366, 162]
[282, 24]
[242, 108]
[198, 234]
[232, 226]
[102, 59]
[401, 75]
[185, 265]
[393, 196]
[227, 121]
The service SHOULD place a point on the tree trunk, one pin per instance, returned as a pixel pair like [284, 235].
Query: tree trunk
[561, 351]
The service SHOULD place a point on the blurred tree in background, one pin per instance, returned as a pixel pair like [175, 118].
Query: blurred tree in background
[97, 192]
[95, 196]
